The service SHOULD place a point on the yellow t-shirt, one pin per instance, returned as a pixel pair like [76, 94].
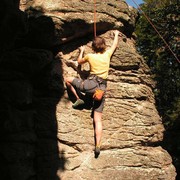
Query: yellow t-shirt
[99, 63]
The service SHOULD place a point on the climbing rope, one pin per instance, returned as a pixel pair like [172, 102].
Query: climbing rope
[157, 31]
[94, 18]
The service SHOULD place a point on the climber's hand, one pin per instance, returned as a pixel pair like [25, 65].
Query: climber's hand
[82, 48]
[116, 32]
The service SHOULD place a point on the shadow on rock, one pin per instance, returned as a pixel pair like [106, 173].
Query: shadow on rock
[31, 85]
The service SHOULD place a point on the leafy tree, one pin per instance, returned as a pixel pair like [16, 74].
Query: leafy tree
[164, 63]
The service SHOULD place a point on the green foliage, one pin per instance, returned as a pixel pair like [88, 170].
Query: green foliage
[164, 64]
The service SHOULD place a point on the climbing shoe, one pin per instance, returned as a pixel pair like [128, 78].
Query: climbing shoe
[97, 151]
[78, 103]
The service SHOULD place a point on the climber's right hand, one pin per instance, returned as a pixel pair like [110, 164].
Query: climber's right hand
[82, 48]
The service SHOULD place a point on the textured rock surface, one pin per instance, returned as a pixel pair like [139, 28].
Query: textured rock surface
[75, 18]
[131, 124]
[31, 86]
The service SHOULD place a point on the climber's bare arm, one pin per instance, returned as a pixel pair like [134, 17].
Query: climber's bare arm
[80, 57]
[115, 41]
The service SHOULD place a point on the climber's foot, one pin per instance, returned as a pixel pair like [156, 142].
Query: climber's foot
[97, 151]
[78, 103]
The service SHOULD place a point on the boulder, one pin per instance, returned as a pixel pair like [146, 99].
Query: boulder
[42, 136]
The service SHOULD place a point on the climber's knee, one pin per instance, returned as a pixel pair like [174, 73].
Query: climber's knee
[69, 80]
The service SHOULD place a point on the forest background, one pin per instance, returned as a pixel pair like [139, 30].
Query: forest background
[158, 41]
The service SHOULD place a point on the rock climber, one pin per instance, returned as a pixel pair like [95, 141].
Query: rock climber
[96, 82]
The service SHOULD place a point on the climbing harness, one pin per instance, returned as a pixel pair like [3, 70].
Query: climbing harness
[101, 86]
[157, 31]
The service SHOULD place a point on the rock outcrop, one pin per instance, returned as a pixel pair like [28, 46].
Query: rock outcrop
[31, 85]
[33, 116]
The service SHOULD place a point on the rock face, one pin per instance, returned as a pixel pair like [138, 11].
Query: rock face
[31, 85]
[32, 117]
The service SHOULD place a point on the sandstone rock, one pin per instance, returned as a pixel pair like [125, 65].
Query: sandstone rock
[42, 137]
[29, 92]
[121, 164]
[131, 124]
[74, 19]
[31, 85]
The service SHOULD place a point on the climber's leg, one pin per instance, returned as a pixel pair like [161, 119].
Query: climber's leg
[97, 116]
[97, 131]
[98, 127]
[70, 83]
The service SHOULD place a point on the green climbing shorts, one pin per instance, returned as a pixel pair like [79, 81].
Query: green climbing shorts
[89, 86]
